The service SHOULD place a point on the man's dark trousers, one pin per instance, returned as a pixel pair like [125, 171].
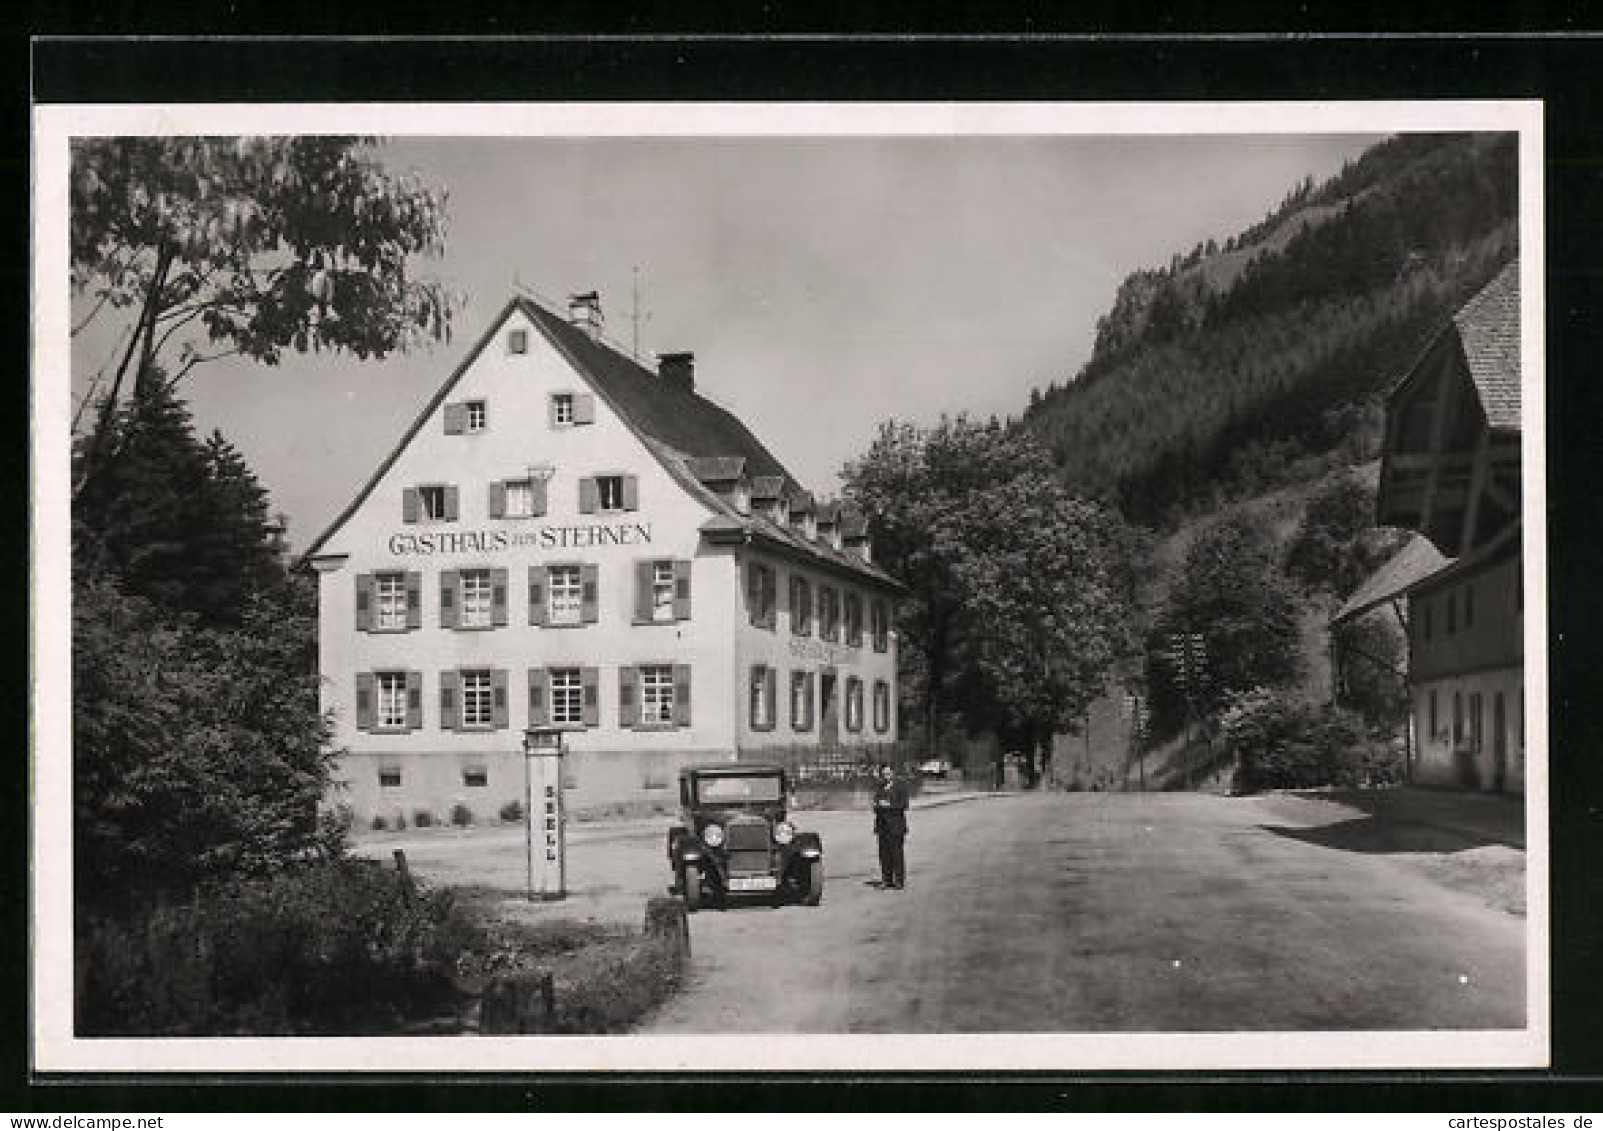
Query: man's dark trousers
[892, 863]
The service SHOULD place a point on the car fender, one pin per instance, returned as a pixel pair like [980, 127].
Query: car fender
[807, 846]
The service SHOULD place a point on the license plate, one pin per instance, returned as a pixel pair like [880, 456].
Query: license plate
[752, 883]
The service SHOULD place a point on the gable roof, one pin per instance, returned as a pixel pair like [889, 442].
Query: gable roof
[1417, 560]
[685, 432]
[1488, 328]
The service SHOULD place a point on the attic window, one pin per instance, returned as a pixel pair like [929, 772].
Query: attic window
[517, 341]
[475, 416]
[562, 408]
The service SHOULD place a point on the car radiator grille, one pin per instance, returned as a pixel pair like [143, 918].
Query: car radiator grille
[747, 844]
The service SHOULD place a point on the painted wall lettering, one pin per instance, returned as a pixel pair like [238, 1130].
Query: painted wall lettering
[540, 537]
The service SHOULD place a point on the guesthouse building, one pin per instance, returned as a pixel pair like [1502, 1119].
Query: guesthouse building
[565, 538]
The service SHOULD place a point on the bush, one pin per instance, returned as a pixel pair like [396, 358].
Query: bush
[1282, 744]
[331, 949]
[512, 811]
[461, 815]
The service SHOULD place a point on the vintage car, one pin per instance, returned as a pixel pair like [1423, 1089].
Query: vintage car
[734, 839]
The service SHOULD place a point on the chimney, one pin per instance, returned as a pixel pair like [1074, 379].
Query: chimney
[584, 311]
[678, 370]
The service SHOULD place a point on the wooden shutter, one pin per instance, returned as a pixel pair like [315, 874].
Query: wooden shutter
[590, 679]
[498, 597]
[589, 495]
[631, 492]
[414, 599]
[681, 695]
[589, 598]
[537, 496]
[451, 509]
[584, 408]
[364, 602]
[448, 598]
[409, 504]
[414, 700]
[449, 686]
[539, 697]
[455, 417]
[628, 709]
[681, 589]
[537, 608]
[644, 575]
[498, 499]
[498, 698]
[364, 700]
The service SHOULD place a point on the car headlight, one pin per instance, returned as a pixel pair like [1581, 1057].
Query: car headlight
[784, 832]
[713, 835]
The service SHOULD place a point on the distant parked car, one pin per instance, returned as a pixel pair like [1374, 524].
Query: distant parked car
[934, 768]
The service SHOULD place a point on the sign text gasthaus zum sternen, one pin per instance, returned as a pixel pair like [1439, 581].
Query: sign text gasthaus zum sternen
[540, 537]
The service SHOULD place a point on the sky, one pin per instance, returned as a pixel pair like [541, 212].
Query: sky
[825, 284]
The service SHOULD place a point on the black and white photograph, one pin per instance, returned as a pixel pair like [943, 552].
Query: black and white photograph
[700, 587]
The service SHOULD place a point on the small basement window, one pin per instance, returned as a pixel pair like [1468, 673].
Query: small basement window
[389, 777]
[475, 777]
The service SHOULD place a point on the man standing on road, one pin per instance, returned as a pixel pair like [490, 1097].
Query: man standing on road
[890, 827]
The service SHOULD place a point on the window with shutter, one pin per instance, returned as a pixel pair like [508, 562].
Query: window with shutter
[565, 585]
[539, 712]
[761, 694]
[476, 599]
[628, 712]
[567, 697]
[645, 574]
[589, 594]
[411, 505]
[498, 500]
[414, 599]
[589, 495]
[681, 695]
[537, 604]
[498, 597]
[454, 420]
[499, 709]
[681, 589]
[590, 678]
[449, 717]
[584, 408]
[364, 602]
[561, 410]
[414, 700]
[389, 601]
[391, 690]
[364, 700]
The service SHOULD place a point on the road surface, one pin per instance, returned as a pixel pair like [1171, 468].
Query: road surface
[1110, 912]
[1073, 912]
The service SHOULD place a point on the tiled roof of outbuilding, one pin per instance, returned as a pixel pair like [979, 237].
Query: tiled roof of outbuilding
[1489, 330]
[1417, 560]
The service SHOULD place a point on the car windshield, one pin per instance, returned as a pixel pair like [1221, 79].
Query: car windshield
[738, 788]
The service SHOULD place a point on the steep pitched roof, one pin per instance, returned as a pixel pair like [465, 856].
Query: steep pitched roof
[1489, 329]
[1416, 561]
[684, 431]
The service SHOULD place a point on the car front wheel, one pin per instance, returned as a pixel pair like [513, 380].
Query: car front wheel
[815, 883]
[690, 888]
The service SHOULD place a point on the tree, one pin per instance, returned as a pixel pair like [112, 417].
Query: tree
[1018, 610]
[198, 752]
[1231, 592]
[175, 520]
[249, 246]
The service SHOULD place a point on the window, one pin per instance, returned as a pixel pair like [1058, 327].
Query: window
[801, 700]
[517, 341]
[1458, 718]
[882, 706]
[520, 498]
[801, 606]
[477, 699]
[1434, 727]
[391, 687]
[431, 502]
[828, 613]
[1427, 605]
[567, 604]
[389, 777]
[475, 416]
[760, 593]
[1469, 604]
[475, 777]
[1452, 613]
[854, 620]
[567, 697]
[561, 408]
[476, 599]
[662, 590]
[854, 703]
[880, 617]
[609, 492]
[761, 695]
[1475, 722]
[656, 694]
[389, 591]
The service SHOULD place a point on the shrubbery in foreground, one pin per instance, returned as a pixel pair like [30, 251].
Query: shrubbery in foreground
[337, 948]
[1284, 744]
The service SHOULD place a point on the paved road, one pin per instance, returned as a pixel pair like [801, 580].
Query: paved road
[1111, 912]
[1073, 913]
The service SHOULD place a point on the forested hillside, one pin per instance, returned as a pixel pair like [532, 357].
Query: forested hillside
[1232, 367]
